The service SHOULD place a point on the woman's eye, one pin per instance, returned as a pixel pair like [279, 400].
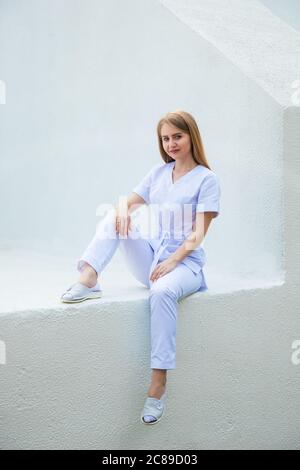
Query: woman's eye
[176, 137]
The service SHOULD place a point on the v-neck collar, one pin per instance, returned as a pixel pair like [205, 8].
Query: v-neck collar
[181, 177]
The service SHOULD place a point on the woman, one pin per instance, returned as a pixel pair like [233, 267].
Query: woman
[170, 266]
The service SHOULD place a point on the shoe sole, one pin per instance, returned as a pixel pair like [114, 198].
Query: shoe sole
[96, 295]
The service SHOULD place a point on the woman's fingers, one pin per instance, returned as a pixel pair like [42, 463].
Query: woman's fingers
[126, 224]
[122, 225]
[129, 223]
[158, 272]
[117, 224]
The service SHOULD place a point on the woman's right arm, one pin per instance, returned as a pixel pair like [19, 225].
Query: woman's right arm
[134, 201]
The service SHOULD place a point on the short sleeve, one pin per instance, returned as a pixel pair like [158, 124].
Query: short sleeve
[209, 195]
[143, 188]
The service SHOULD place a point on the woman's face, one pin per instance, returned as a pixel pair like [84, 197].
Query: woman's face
[176, 143]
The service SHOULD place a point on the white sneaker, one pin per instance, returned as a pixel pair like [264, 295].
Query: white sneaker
[79, 292]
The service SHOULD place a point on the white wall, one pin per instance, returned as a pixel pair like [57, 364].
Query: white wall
[287, 10]
[86, 85]
[234, 347]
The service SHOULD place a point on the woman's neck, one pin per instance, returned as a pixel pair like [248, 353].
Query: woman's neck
[183, 167]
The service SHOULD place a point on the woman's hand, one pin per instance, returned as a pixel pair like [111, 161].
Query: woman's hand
[163, 268]
[123, 222]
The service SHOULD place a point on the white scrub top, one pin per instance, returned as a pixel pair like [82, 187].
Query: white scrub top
[173, 208]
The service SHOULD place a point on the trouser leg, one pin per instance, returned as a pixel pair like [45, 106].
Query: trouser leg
[164, 293]
[103, 245]
[139, 256]
[136, 250]
[164, 296]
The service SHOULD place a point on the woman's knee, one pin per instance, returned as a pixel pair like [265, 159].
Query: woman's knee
[106, 227]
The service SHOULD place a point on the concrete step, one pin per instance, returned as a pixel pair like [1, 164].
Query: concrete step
[31, 280]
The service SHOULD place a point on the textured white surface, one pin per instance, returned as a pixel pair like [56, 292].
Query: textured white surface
[30, 280]
[263, 46]
[71, 373]
[72, 370]
[38, 281]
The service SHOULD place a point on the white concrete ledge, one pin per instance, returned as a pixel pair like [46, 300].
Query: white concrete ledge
[31, 281]
[72, 371]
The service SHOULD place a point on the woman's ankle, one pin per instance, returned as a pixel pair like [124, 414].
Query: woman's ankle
[87, 283]
[88, 276]
[156, 390]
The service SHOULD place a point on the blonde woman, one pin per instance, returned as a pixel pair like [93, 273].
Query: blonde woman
[171, 263]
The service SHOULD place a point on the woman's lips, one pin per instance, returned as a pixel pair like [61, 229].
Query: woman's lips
[174, 151]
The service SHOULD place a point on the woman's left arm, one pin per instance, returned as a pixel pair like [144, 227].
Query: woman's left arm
[196, 237]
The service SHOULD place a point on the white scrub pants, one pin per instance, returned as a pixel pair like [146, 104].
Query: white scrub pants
[164, 292]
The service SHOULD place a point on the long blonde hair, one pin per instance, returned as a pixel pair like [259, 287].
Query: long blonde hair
[187, 124]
